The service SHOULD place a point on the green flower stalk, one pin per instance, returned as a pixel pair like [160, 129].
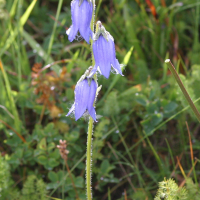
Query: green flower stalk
[90, 125]
[89, 160]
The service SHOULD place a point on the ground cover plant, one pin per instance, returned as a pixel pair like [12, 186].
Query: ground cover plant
[146, 139]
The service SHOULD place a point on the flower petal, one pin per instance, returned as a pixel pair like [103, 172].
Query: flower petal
[114, 62]
[86, 10]
[72, 32]
[91, 98]
[81, 98]
[102, 55]
[117, 68]
[92, 113]
[111, 49]
[75, 12]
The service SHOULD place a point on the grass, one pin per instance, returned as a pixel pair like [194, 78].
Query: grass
[141, 129]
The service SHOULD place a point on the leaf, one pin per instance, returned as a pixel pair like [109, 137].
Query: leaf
[60, 175]
[79, 182]
[55, 154]
[49, 129]
[73, 136]
[52, 162]
[51, 146]
[53, 176]
[42, 160]
[150, 123]
[170, 107]
[42, 144]
[104, 166]
[28, 153]
[141, 99]
[127, 56]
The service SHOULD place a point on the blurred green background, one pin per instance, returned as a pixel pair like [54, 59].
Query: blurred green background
[141, 130]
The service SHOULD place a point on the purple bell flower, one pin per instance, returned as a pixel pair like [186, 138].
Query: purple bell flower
[85, 93]
[81, 11]
[104, 52]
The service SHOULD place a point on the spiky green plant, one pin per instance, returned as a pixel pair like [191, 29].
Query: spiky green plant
[4, 174]
[192, 189]
[34, 189]
[169, 190]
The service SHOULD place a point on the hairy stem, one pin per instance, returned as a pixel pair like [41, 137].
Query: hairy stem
[88, 161]
[90, 125]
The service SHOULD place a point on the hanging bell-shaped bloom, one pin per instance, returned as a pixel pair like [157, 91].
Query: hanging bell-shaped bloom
[81, 11]
[85, 93]
[104, 52]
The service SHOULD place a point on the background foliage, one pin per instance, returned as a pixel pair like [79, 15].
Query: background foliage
[141, 134]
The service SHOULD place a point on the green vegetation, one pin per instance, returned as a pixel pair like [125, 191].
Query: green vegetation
[141, 147]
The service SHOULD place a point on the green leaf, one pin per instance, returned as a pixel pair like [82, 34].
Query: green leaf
[150, 123]
[104, 166]
[28, 153]
[73, 136]
[141, 99]
[42, 160]
[53, 176]
[170, 107]
[52, 186]
[60, 175]
[79, 182]
[55, 154]
[42, 144]
[127, 56]
[49, 129]
[37, 152]
[19, 153]
[152, 108]
[51, 146]
[52, 162]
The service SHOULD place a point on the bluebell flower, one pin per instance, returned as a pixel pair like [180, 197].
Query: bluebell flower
[81, 11]
[104, 52]
[85, 93]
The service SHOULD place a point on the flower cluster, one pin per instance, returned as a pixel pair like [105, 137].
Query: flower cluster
[103, 48]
